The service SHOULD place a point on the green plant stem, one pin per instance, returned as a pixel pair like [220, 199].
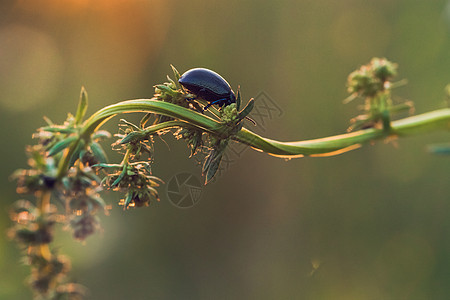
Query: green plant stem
[64, 163]
[140, 105]
[43, 205]
[149, 105]
[126, 157]
[434, 120]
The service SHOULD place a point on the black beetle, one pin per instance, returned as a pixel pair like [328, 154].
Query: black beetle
[209, 86]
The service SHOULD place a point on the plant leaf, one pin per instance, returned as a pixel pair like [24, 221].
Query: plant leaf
[127, 201]
[133, 136]
[176, 74]
[207, 162]
[82, 106]
[247, 109]
[76, 153]
[61, 145]
[120, 177]
[98, 152]
[48, 121]
[164, 88]
[238, 98]
[213, 168]
[58, 129]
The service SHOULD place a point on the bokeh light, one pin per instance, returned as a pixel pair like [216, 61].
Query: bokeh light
[30, 67]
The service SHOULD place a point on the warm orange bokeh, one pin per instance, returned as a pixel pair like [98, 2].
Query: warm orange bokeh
[58, 8]
[109, 41]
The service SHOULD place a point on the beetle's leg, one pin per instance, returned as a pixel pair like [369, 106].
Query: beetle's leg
[195, 104]
[214, 102]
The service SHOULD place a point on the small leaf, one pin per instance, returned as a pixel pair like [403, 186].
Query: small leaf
[350, 98]
[121, 176]
[76, 153]
[48, 121]
[247, 109]
[212, 162]
[93, 177]
[195, 143]
[134, 136]
[155, 179]
[98, 152]
[128, 198]
[171, 81]
[82, 106]
[208, 161]
[58, 129]
[97, 201]
[213, 168]
[176, 74]
[164, 88]
[238, 98]
[66, 182]
[61, 145]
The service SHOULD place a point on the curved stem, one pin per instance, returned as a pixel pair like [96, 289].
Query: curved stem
[166, 125]
[190, 117]
[438, 119]
[149, 105]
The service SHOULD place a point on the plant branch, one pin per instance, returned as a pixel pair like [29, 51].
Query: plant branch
[438, 119]
[43, 206]
[149, 105]
[430, 121]
[333, 145]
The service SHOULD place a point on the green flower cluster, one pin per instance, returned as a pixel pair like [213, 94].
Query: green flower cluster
[372, 78]
[373, 83]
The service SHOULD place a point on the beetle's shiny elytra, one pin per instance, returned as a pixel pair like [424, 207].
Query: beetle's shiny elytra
[209, 86]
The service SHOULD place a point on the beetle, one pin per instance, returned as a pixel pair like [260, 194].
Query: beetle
[209, 86]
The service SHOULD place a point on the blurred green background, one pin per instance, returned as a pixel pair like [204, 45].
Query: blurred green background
[369, 224]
